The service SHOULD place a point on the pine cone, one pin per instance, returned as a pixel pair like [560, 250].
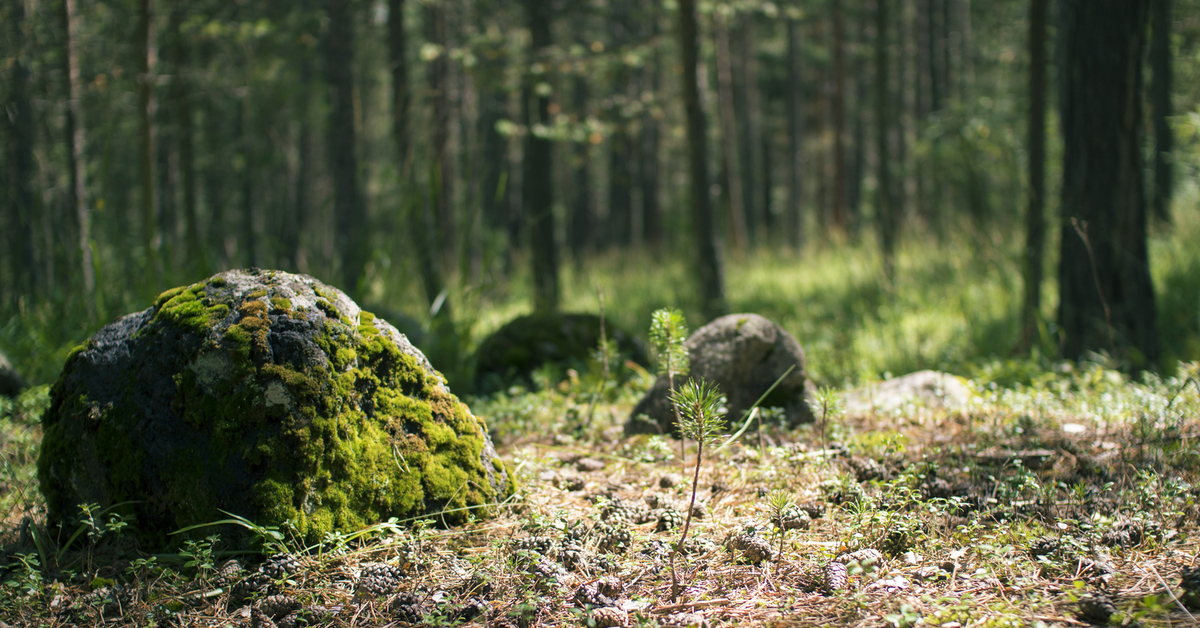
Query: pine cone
[609, 617]
[1096, 608]
[573, 557]
[256, 584]
[259, 619]
[539, 544]
[281, 566]
[1124, 533]
[227, 573]
[588, 595]
[751, 546]
[1044, 546]
[669, 480]
[794, 518]
[277, 606]
[624, 511]
[407, 607]
[379, 579]
[867, 469]
[864, 557]
[836, 577]
[611, 538]
[814, 510]
[668, 519]
[470, 609]
[655, 549]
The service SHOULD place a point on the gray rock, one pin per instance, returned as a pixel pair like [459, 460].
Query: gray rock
[267, 395]
[929, 389]
[11, 383]
[743, 354]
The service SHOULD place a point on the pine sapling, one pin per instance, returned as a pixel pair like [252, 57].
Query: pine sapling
[699, 405]
[668, 330]
[780, 503]
[831, 404]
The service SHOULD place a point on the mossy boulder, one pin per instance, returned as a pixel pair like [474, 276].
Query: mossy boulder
[11, 383]
[744, 355]
[266, 395]
[562, 341]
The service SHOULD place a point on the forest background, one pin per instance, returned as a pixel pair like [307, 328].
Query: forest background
[891, 180]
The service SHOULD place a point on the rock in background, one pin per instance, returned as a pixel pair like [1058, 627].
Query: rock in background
[743, 354]
[11, 383]
[267, 395]
[926, 389]
[511, 354]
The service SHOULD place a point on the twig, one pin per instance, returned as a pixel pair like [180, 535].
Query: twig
[1170, 592]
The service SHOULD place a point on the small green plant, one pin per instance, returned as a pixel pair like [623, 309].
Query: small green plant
[830, 403]
[200, 555]
[668, 330]
[698, 405]
[780, 504]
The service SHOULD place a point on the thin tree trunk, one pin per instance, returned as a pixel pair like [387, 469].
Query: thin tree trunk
[795, 94]
[933, 14]
[296, 244]
[249, 240]
[1160, 99]
[441, 169]
[857, 169]
[885, 211]
[78, 191]
[966, 66]
[729, 136]
[185, 132]
[709, 269]
[347, 204]
[1035, 221]
[838, 104]
[21, 126]
[579, 226]
[147, 106]
[1106, 297]
[539, 200]
[749, 121]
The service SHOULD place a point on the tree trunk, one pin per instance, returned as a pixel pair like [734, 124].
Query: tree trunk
[653, 230]
[21, 127]
[838, 105]
[857, 169]
[297, 245]
[1160, 99]
[1106, 298]
[1035, 221]
[441, 162]
[147, 106]
[885, 210]
[181, 101]
[78, 191]
[729, 140]
[749, 121]
[347, 204]
[795, 98]
[249, 240]
[579, 225]
[709, 269]
[537, 180]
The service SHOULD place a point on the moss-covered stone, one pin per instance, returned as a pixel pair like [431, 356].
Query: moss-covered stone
[266, 395]
[521, 346]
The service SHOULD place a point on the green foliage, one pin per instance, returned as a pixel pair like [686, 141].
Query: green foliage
[668, 331]
[700, 407]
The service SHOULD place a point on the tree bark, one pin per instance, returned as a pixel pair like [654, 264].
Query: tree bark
[297, 245]
[579, 225]
[347, 203]
[1035, 221]
[857, 169]
[21, 127]
[838, 105]
[539, 200]
[730, 156]
[185, 131]
[75, 138]
[249, 240]
[795, 98]
[1160, 99]
[1106, 298]
[441, 163]
[749, 120]
[147, 106]
[709, 269]
[884, 194]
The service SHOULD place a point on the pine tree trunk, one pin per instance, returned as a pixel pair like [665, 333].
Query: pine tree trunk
[75, 138]
[795, 97]
[749, 121]
[729, 136]
[1160, 99]
[21, 127]
[579, 226]
[838, 105]
[147, 107]
[709, 269]
[297, 244]
[185, 132]
[1035, 221]
[347, 204]
[249, 240]
[885, 210]
[857, 169]
[1106, 298]
[537, 179]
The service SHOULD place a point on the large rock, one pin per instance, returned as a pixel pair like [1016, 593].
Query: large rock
[267, 395]
[11, 383]
[743, 354]
[512, 353]
[926, 389]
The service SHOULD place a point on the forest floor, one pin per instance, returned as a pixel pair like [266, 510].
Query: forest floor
[1071, 499]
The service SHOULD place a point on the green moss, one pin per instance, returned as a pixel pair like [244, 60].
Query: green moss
[281, 304]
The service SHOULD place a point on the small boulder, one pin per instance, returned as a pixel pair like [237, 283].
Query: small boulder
[11, 383]
[929, 389]
[743, 354]
[269, 396]
[512, 353]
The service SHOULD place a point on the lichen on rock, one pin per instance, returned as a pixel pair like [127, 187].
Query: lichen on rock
[266, 395]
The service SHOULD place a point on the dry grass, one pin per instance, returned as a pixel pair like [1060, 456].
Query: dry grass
[1113, 507]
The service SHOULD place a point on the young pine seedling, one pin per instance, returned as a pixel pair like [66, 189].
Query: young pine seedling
[668, 330]
[830, 402]
[780, 503]
[699, 406]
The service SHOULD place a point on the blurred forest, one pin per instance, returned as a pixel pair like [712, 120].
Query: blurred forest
[426, 155]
